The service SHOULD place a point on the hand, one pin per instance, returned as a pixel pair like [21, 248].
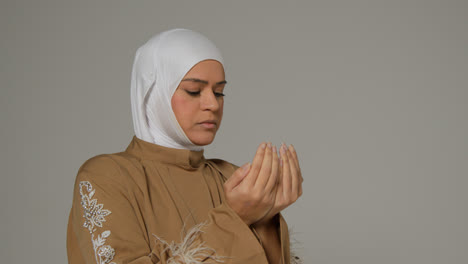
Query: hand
[289, 187]
[251, 190]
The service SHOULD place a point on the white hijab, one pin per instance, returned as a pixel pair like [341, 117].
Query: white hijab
[159, 66]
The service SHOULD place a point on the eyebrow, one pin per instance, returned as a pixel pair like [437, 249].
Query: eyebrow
[202, 81]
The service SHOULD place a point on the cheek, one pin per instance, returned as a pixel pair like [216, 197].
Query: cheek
[221, 107]
[177, 105]
[183, 109]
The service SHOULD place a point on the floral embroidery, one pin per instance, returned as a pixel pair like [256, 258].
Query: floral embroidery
[94, 216]
[103, 253]
[93, 213]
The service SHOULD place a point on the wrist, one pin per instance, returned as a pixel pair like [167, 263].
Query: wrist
[267, 224]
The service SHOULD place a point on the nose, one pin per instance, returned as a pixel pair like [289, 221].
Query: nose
[208, 101]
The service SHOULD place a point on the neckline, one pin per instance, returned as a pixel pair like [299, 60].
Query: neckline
[184, 158]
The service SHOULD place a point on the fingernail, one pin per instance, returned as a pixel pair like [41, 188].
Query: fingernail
[269, 145]
[282, 149]
[263, 146]
[274, 149]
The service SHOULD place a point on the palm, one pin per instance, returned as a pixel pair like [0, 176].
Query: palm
[289, 186]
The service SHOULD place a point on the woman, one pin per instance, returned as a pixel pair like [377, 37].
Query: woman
[160, 200]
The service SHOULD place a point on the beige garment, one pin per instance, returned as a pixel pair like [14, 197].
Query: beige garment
[139, 205]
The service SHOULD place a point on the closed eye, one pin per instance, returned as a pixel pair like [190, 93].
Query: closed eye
[193, 93]
[197, 93]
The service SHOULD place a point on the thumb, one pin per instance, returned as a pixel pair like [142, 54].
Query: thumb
[237, 176]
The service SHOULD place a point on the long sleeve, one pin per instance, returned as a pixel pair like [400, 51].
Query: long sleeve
[108, 225]
[104, 226]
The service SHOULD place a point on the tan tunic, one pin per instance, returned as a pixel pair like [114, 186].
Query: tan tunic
[139, 205]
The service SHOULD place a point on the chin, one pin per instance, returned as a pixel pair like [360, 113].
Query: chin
[202, 140]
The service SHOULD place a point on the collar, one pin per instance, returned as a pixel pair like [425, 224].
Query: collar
[187, 159]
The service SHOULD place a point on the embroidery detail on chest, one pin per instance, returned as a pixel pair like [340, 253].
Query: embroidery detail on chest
[94, 216]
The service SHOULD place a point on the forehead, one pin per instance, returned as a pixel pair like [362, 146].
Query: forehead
[210, 70]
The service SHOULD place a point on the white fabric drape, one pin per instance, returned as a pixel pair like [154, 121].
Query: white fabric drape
[159, 66]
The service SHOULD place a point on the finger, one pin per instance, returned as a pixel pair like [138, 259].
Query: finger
[298, 169]
[256, 164]
[286, 172]
[296, 160]
[279, 190]
[273, 180]
[237, 177]
[295, 177]
[294, 155]
[265, 171]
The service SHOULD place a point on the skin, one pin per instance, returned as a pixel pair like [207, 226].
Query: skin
[257, 192]
[251, 195]
[198, 101]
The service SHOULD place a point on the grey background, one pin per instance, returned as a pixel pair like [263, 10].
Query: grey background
[373, 94]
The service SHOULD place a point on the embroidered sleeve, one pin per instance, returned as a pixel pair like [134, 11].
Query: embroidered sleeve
[94, 215]
[104, 227]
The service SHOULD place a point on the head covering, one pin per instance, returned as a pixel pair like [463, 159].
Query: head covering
[159, 66]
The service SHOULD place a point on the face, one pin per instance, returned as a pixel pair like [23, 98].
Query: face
[198, 101]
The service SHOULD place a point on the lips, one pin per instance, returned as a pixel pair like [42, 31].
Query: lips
[211, 121]
[208, 123]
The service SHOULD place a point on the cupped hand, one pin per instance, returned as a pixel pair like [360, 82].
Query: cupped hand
[289, 187]
[251, 190]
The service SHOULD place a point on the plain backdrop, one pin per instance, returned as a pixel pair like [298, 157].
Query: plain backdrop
[373, 94]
